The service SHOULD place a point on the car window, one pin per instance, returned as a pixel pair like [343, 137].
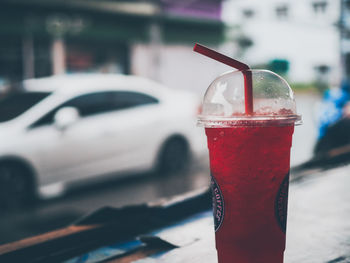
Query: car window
[100, 102]
[91, 104]
[16, 104]
[128, 99]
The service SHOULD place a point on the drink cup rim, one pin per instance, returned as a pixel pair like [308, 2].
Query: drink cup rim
[248, 121]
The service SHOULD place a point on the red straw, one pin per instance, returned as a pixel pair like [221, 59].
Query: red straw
[248, 81]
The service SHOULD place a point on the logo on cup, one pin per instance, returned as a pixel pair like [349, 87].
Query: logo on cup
[281, 203]
[218, 204]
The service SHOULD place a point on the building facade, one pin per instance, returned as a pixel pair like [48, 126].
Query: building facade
[303, 32]
[40, 38]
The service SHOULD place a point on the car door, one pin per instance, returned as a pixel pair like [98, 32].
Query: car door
[132, 132]
[76, 151]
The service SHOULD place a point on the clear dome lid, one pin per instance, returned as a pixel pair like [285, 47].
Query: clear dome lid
[272, 101]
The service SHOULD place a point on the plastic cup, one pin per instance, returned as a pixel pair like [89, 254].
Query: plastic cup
[249, 162]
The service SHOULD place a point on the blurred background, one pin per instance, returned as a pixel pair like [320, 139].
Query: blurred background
[66, 67]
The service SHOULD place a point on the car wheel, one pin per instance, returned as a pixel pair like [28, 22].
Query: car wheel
[174, 155]
[16, 186]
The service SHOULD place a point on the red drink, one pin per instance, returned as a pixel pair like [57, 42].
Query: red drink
[249, 119]
[250, 170]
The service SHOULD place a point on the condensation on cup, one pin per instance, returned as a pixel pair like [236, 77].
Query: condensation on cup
[249, 163]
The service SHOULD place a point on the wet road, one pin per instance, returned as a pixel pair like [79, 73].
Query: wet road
[51, 214]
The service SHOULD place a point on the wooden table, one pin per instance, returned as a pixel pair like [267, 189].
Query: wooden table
[182, 230]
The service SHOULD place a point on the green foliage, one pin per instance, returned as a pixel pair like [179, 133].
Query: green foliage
[309, 87]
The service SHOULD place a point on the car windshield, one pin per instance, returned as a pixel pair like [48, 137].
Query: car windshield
[14, 105]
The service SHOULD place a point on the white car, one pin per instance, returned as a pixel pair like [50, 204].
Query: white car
[72, 127]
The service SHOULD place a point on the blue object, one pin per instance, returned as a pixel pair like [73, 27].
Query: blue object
[331, 110]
